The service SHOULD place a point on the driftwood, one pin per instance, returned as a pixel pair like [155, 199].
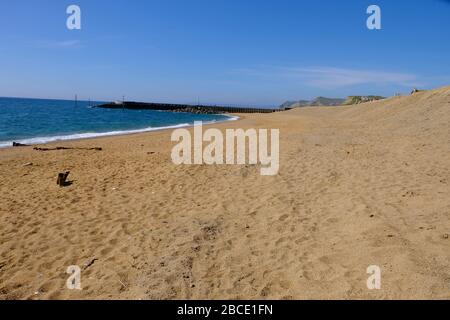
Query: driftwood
[16, 144]
[65, 148]
[87, 265]
[62, 177]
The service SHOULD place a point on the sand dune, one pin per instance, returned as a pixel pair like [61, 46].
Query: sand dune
[358, 186]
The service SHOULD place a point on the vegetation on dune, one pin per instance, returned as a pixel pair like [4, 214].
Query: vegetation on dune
[361, 99]
[322, 101]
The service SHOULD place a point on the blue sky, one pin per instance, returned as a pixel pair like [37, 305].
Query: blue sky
[221, 51]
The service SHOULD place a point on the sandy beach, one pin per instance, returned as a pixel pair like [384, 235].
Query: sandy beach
[358, 186]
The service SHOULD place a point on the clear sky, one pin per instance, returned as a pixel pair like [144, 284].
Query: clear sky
[258, 52]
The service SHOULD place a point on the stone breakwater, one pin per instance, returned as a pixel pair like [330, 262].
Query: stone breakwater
[199, 109]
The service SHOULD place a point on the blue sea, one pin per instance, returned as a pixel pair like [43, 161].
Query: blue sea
[36, 121]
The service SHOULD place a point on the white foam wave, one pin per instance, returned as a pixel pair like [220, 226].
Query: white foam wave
[76, 136]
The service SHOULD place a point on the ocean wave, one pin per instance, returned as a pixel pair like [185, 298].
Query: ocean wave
[232, 118]
[77, 136]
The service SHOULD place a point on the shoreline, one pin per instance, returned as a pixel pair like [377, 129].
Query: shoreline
[87, 136]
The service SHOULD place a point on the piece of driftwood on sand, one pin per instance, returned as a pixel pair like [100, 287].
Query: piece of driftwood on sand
[65, 148]
[62, 179]
[16, 144]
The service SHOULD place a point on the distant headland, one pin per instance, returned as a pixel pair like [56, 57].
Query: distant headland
[329, 102]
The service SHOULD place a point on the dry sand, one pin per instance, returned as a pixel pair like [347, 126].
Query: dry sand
[358, 186]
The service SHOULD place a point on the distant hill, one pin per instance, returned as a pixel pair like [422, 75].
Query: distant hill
[319, 101]
[324, 102]
[295, 104]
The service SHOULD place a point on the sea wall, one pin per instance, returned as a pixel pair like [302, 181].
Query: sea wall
[199, 109]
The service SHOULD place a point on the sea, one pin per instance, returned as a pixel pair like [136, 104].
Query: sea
[38, 121]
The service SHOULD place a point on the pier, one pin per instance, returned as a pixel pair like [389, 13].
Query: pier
[205, 109]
